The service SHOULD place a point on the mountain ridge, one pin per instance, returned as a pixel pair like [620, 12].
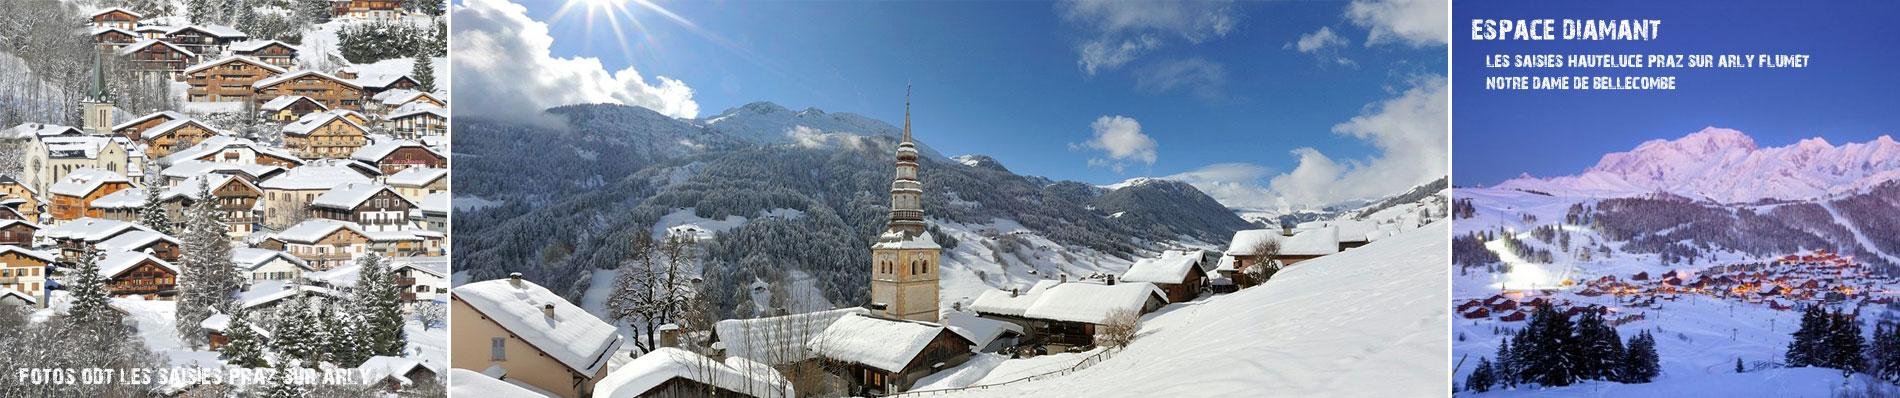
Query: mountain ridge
[1727, 166]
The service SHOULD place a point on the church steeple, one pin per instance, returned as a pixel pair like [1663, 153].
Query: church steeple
[907, 211]
[97, 91]
[95, 108]
[905, 259]
[906, 113]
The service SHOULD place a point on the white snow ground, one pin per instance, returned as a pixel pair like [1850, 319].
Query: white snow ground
[1366, 322]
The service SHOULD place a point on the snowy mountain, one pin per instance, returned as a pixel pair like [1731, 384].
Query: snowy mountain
[1365, 322]
[1726, 166]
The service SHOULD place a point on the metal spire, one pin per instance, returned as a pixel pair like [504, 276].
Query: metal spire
[98, 92]
[907, 112]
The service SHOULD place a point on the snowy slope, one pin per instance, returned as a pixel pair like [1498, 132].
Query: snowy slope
[1366, 322]
[1726, 166]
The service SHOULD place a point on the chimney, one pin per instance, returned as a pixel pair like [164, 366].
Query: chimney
[1111, 280]
[669, 335]
[548, 309]
[1013, 292]
[1065, 278]
[514, 279]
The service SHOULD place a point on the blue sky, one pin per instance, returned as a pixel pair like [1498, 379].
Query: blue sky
[1222, 84]
[1847, 94]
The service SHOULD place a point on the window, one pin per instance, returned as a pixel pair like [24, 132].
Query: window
[498, 349]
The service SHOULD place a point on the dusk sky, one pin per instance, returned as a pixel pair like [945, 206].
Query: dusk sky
[1251, 101]
[1847, 94]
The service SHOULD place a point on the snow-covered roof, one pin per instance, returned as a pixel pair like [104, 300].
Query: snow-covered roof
[30, 130]
[220, 31]
[83, 181]
[1091, 302]
[570, 335]
[880, 343]
[981, 331]
[293, 75]
[1245, 240]
[234, 58]
[343, 277]
[637, 378]
[89, 229]
[110, 10]
[416, 176]
[348, 196]
[437, 268]
[266, 292]
[376, 152]
[1172, 267]
[401, 96]
[143, 43]
[414, 110]
[469, 383]
[435, 203]
[1353, 230]
[1226, 264]
[168, 115]
[248, 258]
[1313, 242]
[219, 143]
[254, 45]
[191, 168]
[175, 124]
[76, 147]
[118, 262]
[779, 339]
[396, 367]
[897, 240]
[35, 254]
[8, 223]
[284, 101]
[999, 302]
[102, 30]
[313, 230]
[314, 176]
[135, 240]
[5, 292]
[381, 81]
[310, 122]
[219, 322]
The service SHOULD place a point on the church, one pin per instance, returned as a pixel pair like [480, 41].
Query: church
[905, 257]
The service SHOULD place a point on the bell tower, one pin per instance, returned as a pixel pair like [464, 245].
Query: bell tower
[96, 108]
[904, 261]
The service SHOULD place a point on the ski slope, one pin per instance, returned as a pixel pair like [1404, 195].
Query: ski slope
[1365, 322]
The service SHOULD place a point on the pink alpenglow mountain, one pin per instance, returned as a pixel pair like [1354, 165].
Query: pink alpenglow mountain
[1726, 166]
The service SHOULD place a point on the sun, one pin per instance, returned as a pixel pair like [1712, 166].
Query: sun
[614, 13]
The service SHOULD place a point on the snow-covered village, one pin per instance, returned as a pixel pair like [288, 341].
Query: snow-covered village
[215, 198]
[1697, 264]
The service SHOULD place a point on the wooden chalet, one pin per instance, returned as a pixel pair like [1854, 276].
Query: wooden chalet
[17, 232]
[1179, 273]
[158, 56]
[270, 51]
[227, 79]
[395, 156]
[204, 39]
[332, 91]
[114, 18]
[367, 9]
[332, 134]
[419, 121]
[877, 356]
[322, 243]
[373, 207]
[290, 107]
[159, 245]
[228, 150]
[113, 39]
[73, 196]
[163, 139]
[24, 270]
[135, 129]
[378, 84]
[73, 237]
[138, 274]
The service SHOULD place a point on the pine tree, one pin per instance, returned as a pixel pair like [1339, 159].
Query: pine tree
[243, 348]
[1481, 378]
[1641, 365]
[379, 302]
[424, 71]
[1601, 354]
[90, 307]
[1844, 343]
[1506, 368]
[152, 212]
[314, 11]
[1738, 365]
[1805, 349]
[346, 344]
[280, 385]
[295, 337]
[1553, 353]
[208, 280]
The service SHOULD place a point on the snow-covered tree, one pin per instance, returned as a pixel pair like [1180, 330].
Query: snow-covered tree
[634, 298]
[280, 384]
[90, 307]
[152, 212]
[1481, 378]
[208, 279]
[1550, 345]
[1805, 349]
[1641, 365]
[424, 71]
[243, 347]
[378, 302]
[432, 314]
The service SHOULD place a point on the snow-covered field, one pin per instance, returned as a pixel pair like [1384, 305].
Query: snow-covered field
[1366, 322]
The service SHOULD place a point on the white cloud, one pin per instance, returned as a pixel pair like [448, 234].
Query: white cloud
[1410, 133]
[1417, 23]
[1121, 140]
[1319, 40]
[1120, 31]
[1204, 79]
[506, 55]
[1235, 185]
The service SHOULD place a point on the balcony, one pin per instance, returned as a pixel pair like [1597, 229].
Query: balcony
[408, 296]
[406, 281]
